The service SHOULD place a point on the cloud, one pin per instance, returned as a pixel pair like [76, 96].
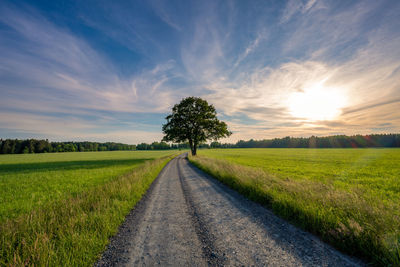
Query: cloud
[75, 128]
[164, 12]
[370, 106]
[49, 62]
[295, 6]
[268, 89]
[252, 46]
[201, 52]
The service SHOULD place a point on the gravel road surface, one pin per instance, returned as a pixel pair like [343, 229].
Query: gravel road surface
[188, 218]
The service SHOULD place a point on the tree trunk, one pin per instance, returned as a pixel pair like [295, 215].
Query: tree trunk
[192, 149]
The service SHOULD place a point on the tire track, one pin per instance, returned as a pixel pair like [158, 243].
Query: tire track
[187, 218]
[213, 256]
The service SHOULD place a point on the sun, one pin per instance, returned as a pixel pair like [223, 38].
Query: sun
[316, 103]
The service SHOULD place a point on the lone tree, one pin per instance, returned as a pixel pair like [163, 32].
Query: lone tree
[193, 120]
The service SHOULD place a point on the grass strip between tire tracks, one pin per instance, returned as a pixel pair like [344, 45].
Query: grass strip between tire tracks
[340, 218]
[75, 231]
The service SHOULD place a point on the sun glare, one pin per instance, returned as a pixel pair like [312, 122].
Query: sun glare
[316, 103]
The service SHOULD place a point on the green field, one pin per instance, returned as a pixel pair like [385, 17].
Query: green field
[349, 197]
[61, 208]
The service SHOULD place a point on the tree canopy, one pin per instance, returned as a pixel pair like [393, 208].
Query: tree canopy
[193, 120]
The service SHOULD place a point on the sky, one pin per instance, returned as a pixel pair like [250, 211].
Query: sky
[112, 70]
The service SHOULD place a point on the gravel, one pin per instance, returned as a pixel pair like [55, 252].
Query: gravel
[187, 218]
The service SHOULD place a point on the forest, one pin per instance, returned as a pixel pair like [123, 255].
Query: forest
[16, 146]
[336, 141]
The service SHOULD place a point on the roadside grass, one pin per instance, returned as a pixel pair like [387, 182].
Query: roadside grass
[349, 197]
[71, 227]
[31, 180]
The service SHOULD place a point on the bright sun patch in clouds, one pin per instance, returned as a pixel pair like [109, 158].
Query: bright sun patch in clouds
[316, 103]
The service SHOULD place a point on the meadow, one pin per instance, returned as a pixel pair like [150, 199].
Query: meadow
[349, 197]
[61, 208]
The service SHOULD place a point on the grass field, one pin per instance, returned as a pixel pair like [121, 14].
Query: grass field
[61, 208]
[349, 197]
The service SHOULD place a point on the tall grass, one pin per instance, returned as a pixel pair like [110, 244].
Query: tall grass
[31, 180]
[74, 230]
[351, 219]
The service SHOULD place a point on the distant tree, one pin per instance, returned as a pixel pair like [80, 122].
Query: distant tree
[193, 120]
[81, 148]
[204, 145]
[69, 148]
[159, 146]
[215, 144]
[31, 145]
[143, 146]
[6, 148]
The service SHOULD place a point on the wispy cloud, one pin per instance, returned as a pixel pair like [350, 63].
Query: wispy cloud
[297, 6]
[47, 68]
[53, 62]
[163, 11]
[252, 46]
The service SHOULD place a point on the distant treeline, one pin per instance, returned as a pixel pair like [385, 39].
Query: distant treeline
[336, 141]
[161, 146]
[164, 146]
[15, 146]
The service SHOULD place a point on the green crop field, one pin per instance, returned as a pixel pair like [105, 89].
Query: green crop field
[61, 208]
[29, 180]
[349, 197]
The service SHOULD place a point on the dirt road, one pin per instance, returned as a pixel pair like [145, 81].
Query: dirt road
[189, 219]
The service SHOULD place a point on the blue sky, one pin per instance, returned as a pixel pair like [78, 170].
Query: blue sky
[112, 70]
